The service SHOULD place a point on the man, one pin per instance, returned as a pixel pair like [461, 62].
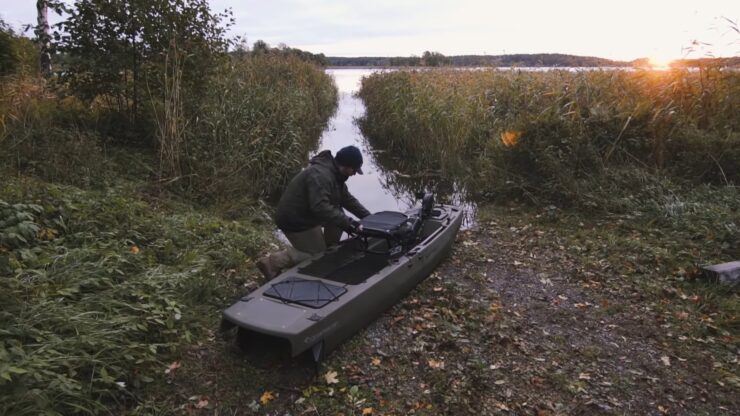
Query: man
[313, 200]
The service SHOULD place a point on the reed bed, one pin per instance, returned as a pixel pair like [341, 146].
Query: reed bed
[261, 118]
[554, 136]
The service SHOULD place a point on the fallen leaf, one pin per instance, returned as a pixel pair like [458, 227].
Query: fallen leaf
[367, 411]
[436, 364]
[666, 360]
[584, 376]
[266, 397]
[502, 406]
[510, 137]
[331, 377]
[376, 361]
[173, 366]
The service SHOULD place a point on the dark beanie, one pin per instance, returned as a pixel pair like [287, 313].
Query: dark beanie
[350, 156]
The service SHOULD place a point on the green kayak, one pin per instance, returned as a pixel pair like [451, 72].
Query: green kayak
[326, 299]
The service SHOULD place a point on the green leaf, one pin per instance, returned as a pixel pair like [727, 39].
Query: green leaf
[16, 370]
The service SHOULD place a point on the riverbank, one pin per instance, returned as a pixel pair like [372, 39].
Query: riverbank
[535, 312]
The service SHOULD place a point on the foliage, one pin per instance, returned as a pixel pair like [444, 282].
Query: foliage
[17, 53]
[99, 288]
[518, 60]
[47, 136]
[117, 51]
[434, 59]
[555, 136]
[261, 47]
[260, 118]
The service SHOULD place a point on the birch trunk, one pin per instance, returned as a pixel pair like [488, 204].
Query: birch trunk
[42, 33]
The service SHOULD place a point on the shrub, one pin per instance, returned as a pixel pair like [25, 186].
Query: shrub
[17, 53]
[46, 136]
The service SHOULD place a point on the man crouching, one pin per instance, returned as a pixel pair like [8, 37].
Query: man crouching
[310, 210]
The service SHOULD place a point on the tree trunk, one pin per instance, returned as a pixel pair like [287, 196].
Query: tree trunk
[44, 39]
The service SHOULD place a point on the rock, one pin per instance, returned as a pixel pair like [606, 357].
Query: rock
[725, 273]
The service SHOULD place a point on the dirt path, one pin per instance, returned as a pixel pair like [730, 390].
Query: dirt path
[511, 323]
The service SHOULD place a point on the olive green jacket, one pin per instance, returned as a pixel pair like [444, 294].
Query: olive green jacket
[316, 196]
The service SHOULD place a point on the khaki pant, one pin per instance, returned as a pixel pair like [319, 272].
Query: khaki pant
[305, 244]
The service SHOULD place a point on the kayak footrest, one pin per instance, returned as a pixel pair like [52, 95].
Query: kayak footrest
[311, 293]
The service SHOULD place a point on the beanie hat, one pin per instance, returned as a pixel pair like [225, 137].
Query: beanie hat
[350, 156]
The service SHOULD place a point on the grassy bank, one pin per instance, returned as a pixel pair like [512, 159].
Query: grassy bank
[123, 234]
[102, 286]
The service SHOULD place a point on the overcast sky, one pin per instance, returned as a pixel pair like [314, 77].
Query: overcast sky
[624, 29]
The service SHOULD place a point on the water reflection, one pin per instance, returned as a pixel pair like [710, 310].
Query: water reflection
[404, 178]
[389, 183]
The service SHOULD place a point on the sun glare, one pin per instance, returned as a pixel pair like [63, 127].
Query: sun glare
[660, 63]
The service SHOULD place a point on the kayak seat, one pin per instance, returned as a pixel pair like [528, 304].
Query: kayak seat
[383, 224]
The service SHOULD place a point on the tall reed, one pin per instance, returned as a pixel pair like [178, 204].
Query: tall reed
[546, 134]
[257, 124]
[171, 122]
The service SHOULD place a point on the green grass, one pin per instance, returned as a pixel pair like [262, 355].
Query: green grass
[103, 290]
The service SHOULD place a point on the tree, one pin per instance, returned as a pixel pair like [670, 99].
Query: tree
[43, 38]
[42, 33]
[260, 47]
[119, 51]
[434, 59]
[8, 58]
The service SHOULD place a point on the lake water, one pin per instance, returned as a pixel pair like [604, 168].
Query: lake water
[377, 189]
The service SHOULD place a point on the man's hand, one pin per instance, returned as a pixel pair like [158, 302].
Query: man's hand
[354, 226]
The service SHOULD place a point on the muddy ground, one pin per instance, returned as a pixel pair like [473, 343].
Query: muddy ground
[519, 320]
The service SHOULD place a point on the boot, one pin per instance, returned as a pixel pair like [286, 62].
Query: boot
[265, 267]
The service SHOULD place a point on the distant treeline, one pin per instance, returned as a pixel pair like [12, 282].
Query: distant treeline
[731, 62]
[437, 59]
[520, 60]
[260, 47]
